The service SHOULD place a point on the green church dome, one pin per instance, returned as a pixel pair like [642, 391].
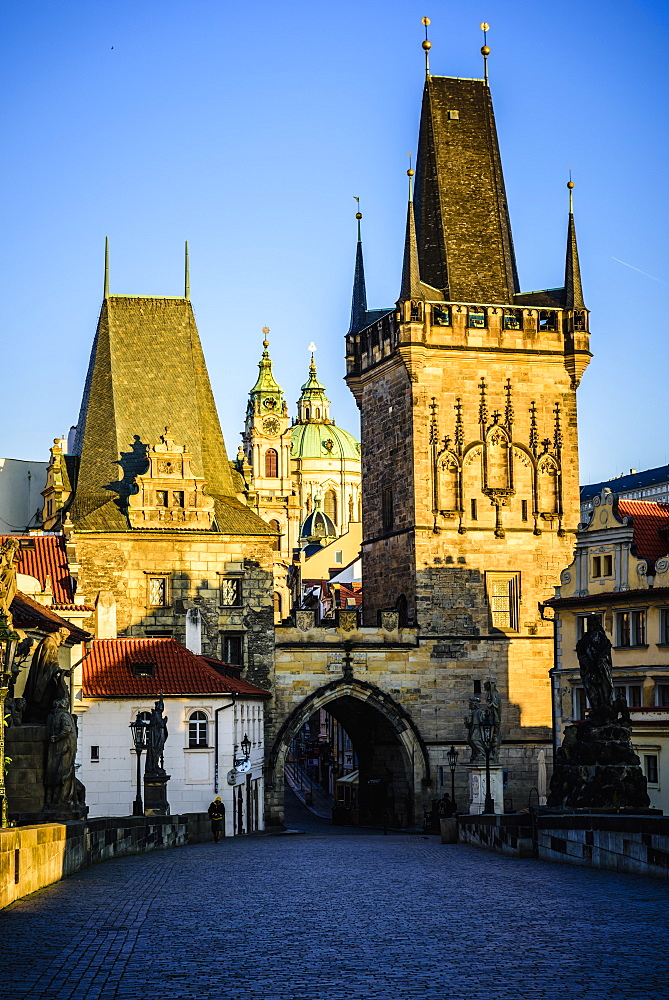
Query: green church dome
[317, 439]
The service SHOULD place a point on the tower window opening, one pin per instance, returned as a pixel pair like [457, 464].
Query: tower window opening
[474, 510]
[276, 545]
[387, 518]
[271, 463]
[307, 413]
[523, 510]
[318, 413]
[513, 319]
[441, 316]
[579, 321]
[477, 318]
[548, 320]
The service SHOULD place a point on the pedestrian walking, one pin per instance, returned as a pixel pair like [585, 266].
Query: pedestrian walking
[216, 815]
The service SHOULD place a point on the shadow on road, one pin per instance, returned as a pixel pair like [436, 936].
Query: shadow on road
[298, 817]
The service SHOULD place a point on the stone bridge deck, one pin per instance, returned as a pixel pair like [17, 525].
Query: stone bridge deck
[336, 914]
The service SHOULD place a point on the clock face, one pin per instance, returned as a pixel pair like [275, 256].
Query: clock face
[271, 426]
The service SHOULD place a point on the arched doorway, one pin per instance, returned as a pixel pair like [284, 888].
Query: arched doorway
[391, 758]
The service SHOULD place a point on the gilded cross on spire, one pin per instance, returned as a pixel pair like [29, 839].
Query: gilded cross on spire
[265, 342]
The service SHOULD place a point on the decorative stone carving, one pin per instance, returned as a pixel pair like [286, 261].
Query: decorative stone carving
[168, 493]
[61, 751]
[389, 620]
[348, 619]
[46, 680]
[305, 620]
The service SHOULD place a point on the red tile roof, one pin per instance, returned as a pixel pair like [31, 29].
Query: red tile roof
[42, 556]
[352, 592]
[650, 520]
[27, 613]
[108, 672]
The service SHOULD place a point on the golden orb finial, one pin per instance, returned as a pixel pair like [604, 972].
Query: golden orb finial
[358, 215]
[265, 342]
[485, 51]
[571, 185]
[427, 45]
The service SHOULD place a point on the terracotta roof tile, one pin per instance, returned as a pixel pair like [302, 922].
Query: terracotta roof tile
[42, 556]
[27, 613]
[108, 672]
[650, 522]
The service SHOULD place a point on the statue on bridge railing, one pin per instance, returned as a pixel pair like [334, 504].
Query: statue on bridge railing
[156, 739]
[46, 679]
[473, 723]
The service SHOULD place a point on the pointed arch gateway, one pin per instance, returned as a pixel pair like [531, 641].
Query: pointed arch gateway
[392, 757]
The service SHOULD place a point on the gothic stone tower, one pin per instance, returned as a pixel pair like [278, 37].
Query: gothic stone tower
[152, 520]
[467, 395]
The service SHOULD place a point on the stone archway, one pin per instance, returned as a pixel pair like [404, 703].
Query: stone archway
[393, 759]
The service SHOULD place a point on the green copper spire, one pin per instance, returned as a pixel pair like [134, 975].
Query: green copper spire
[313, 404]
[266, 382]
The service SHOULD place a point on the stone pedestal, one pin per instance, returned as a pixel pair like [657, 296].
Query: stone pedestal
[155, 795]
[477, 788]
[24, 780]
[448, 829]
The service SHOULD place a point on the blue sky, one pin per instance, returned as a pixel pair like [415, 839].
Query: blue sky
[247, 129]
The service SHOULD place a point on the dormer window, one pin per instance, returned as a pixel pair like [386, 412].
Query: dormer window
[143, 668]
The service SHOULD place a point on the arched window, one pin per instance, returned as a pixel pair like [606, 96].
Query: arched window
[271, 463]
[277, 541]
[197, 730]
[307, 413]
[318, 413]
[401, 606]
[330, 505]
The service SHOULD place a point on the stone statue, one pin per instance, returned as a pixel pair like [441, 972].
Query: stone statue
[593, 650]
[8, 556]
[494, 707]
[46, 680]
[61, 751]
[477, 715]
[156, 738]
[15, 707]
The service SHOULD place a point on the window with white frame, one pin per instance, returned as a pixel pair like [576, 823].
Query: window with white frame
[662, 692]
[158, 591]
[630, 628]
[651, 768]
[198, 726]
[664, 626]
[582, 623]
[580, 704]
[631, 693]
[602, 566]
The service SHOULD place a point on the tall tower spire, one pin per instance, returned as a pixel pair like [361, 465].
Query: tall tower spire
[359, 303]
[573, 292]
[106, 283]
[411, 286]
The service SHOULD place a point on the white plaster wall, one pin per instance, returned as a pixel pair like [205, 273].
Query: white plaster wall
[21, 485]
[111, 781]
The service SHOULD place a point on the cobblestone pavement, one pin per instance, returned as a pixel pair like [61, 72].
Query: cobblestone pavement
[355, 915]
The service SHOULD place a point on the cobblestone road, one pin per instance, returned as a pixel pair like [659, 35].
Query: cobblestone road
[349, 915]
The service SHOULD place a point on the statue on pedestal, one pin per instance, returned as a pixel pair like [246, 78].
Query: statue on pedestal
[473, 722]
[494, 709]
[59, 779]
[156, 738]
[46, 680]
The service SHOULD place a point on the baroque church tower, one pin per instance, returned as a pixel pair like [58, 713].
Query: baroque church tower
[467, 394]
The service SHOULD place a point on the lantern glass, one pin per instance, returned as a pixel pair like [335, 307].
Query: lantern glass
[246, 745]
[486, 732]
[452, 757]
[138, 729]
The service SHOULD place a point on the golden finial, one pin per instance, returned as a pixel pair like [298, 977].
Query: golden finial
[570, 186]
[358, 216]
[485, 51]
[265, 342]
[410, 175]
[427, 45]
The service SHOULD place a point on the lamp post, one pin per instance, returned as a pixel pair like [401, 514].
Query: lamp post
[452, 758]
[139, 730]
[246, 746]
[487, 728]
[8, 642]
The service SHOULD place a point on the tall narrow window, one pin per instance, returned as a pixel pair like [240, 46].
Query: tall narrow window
[271, 463]
[474, 510]
[277, 542]
[330, 505]
[523, 510]
[387, 508]
[631, 628]
[232, 648]
[231, 592]
[157, 591]
[197, 730]
[504, 599]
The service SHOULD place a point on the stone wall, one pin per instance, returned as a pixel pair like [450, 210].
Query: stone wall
[32, 857]
[512, 834]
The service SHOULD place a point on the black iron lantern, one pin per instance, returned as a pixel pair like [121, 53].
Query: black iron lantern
[487, 730]
[452, 758]
[246, 746]
[486, 733]
[138, 729]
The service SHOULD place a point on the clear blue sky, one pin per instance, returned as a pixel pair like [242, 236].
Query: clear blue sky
[248, 128]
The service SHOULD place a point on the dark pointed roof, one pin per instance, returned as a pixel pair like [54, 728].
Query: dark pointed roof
[412, 286]
[573, 292]
[465, 247]
[147, 371]
[359, 303]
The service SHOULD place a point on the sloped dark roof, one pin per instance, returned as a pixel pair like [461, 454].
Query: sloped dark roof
[147, 371]
[108, 673]
[635, 481]
[27, 613]
[43, 556]
[547, 298]
[465, 246]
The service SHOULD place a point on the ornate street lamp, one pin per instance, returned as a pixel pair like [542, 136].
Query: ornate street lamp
[452, 758]
[139, 730]
[487, 729]
[246, 746]
[9, 640]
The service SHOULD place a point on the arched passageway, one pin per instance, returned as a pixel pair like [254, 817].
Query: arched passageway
[390, 757]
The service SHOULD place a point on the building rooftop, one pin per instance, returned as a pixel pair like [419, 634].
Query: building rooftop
[27, 614]
[42, 557]
[625, 484]
[650, 522]
[142, 667]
